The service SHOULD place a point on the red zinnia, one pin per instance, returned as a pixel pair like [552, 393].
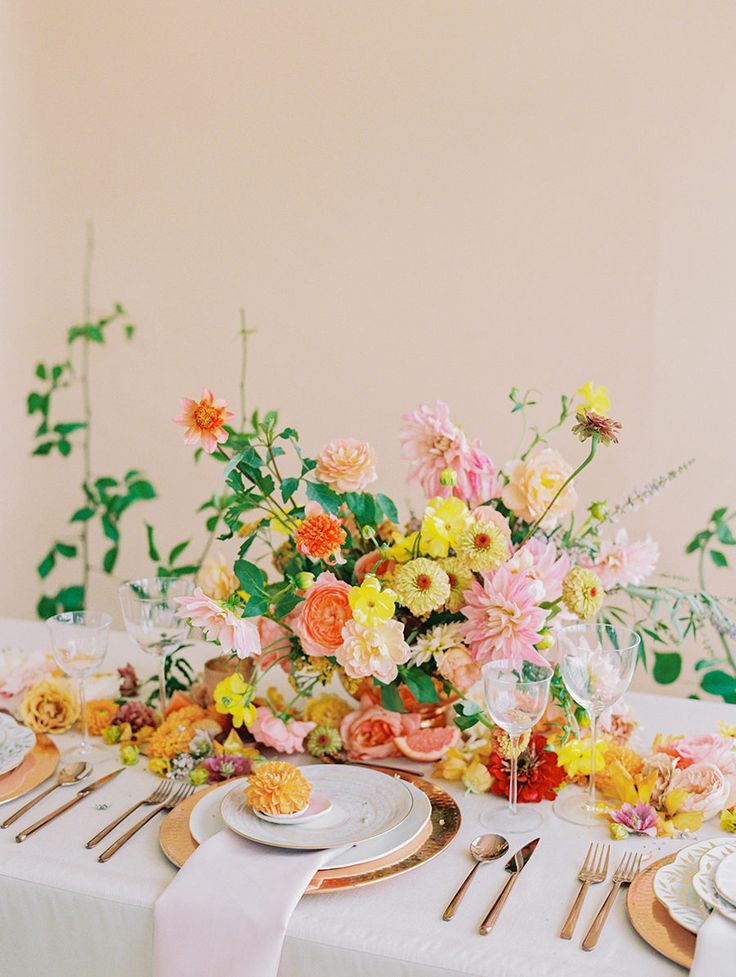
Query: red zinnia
[538, 773]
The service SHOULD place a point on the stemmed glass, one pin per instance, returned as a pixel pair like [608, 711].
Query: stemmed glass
[597, 663]
[516, 698]
[152, 619]
[79, 642]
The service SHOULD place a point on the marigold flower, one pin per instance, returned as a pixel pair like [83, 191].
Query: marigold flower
[482, 546]
[370, 604]
[278, 787]
[320, 535]
[326, 710]
[346, 465]
[582, 593]
[100, 713]
[204, 420]
[589, 423]
[422, 586]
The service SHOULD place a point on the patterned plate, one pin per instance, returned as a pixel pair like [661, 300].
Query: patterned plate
[704, 881]
[673, 886]
[16, 742]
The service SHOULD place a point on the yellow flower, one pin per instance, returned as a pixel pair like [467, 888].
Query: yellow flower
[278, 787]
[326, 710]
[728, 820]
[403, 548]
[444, 520]
[233, 696]
[476, 778]
[727, 730]
[235, 746]
[422, 586]
[99, 713]
[461, 579]
[617, 831]
[50, 706]
[582, 593]
[574, 756]
[629, 760]
[159, 766]
[369, 604]
[451, 766]
[482, 545]
[594, 398]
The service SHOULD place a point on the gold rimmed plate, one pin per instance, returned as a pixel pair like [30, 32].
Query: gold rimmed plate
[652, 921]
[37, 766]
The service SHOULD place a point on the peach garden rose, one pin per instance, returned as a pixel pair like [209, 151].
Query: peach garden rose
[369, 732]
[347, 465]
[50, 706]
[322, 615]
[533, 483]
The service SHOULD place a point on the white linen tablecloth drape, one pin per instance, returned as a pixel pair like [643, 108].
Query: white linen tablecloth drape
[64, 914]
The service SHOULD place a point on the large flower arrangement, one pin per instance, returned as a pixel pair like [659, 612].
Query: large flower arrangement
[497, 560]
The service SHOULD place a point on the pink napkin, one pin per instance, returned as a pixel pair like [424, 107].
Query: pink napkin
[237, 898]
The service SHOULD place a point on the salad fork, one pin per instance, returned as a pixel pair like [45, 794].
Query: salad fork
[594, 870]
[160, 794]
[625, 873]
[179, 795]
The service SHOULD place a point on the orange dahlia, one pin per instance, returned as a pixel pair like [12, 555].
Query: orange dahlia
[99, 714]
[278, 787]
[320, 535]
[204, 420]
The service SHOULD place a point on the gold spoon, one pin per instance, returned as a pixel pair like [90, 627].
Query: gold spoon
[68, 775]
[484, 848]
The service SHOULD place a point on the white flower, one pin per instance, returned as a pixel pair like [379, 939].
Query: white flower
[436, 641]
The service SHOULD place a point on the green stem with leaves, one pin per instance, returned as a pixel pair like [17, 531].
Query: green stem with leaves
[86, 400]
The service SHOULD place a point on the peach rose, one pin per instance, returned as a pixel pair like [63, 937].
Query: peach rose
[216, 578]
[373, 562]
[533, 484]
[50, 706]
[458, 667]
[707, 789]
[322, 615]
[370, 731]
[272, 731]
[347, 465]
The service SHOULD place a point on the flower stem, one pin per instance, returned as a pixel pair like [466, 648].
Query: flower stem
[86, 400]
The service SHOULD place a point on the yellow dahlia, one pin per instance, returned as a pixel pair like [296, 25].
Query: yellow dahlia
[461, 579]
[278, 787]
[422, 586]
[444, 520]
[582, 593]
[326, 710]
[483, 546]
[99, 713]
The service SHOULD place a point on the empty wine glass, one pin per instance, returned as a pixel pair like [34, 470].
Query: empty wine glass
[597, 663]
[79, 642]
[516, 698]
[152, 619]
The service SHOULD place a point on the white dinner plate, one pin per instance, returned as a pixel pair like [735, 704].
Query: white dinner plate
[365, 805]
[704, 880]
[725, 878]
[16, 742]
[673, 886]
[206, 821]
[318, 805]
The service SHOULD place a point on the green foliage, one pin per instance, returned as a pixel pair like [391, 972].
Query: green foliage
[667, 666]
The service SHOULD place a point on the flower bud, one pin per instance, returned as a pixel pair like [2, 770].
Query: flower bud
[598, 510]
[304, 580]
[546, 641]
[367, 532]
[198, 777]
[129, 754]
[448, 477]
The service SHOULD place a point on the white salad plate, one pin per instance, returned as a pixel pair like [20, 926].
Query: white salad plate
[318, 805]
[673, 886]
[206, 821]
[365, 805]
[726, 878]
[704, 881]
[16, 742]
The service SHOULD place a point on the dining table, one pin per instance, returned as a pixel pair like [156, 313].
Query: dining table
[64, 914]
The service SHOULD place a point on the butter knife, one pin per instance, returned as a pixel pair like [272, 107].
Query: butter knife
[80, 795]
[514, 866]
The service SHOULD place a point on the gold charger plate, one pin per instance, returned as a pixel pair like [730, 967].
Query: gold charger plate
[178, 844]
[653, 923]
[38, 766]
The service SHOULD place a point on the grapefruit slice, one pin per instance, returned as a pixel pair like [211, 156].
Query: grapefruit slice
[428, 744]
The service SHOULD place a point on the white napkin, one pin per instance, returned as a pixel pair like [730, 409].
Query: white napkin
[715, 948]
[227, 910]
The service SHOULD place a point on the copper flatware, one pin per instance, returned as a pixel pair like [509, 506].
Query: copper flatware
[68, 776]
[514, 866]
[79, 796]
[179, 795]
[594, 870]
[484, 848]
[625, 873]
[160, 794]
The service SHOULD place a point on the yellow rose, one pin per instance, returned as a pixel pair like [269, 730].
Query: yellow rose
[50, 706]
[533, 484]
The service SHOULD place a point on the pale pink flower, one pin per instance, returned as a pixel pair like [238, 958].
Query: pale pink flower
[709, 748]
[204, 420]
[285, 737]
[19, 670]
[369, 732]
[534, 482]
[432, 443]
[504, 617]
[539, 560]
[216, 577]
[274, 641]
[620, 562]
[457, 666]
[707, 788]
[640, 819]
[346, 465]
[373, 652]
[238, 634]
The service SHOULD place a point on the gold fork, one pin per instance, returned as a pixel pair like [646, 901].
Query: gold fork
[594, 870]
[179, 795]
[160, 794]
[625, 873]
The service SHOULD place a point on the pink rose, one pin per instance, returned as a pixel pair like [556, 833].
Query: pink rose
[458, 667]
[710, 748]
[707, 788]
[283, 737]
[369, 732]
[274, 641]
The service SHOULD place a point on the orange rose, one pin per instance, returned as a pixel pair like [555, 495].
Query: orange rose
[322, 614]
[369, 732]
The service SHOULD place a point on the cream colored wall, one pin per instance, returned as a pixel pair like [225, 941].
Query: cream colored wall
[412, 199]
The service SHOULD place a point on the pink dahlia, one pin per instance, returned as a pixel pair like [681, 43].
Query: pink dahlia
[204, 420]
[238, 634]
[539, 560]
[504, 617]
[432, 443]
[620, 562]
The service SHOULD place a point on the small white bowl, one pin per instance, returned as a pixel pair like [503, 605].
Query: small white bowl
[318, 805]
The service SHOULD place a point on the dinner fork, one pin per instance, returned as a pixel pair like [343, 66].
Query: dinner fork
[594, 870]
[625, 873]
[159, 795]
[179, 795]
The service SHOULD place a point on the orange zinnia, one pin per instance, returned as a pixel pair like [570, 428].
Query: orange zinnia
[204, 420]
[320, 535]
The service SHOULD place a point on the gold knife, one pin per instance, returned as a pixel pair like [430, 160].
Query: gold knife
[514, 866]
[80, 795]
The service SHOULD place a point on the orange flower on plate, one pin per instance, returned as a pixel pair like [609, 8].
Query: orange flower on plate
[204, 420]
[278, 787]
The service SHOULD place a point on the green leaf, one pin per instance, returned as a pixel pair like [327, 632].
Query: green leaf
[110, 529]
[251, 577]
[329, 500]
[719, 558]
[82, 515]
[45, 448]
[255, 606]
[37, 402]
[64, 446]
[288, 434]
[71, 598]
[288, 487]
[466, 722]
[718, 514]
[177, 551]
[67, 427]
[142, 489]
[724, 534]
[387, 507]
[41, 371]
[152, 550]
[390, 698]
[420, 684]
[46, 607]
[67, 550]
[129, 331]
[667, 667]
[720, 683]
[46, 565]
[109, 559]
[362, 506]
[286, 603]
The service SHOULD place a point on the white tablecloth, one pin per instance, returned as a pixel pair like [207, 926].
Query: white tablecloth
[63, 914]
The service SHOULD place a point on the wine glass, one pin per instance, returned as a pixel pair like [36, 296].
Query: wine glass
[597, 663]
[79, 642]
[516, 698]
[151, 616]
